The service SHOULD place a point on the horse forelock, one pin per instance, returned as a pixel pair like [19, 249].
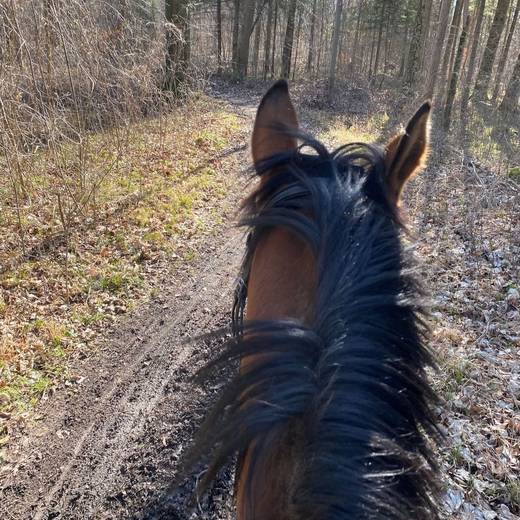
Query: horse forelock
[355, 377]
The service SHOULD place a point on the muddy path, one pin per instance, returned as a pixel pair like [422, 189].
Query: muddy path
[109, 447]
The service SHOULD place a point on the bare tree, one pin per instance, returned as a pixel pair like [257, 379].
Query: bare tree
[246, 28]
[236, 28]
[470, 72]
[267, 48]
[219, 35]
[439, 43]
[310, 55]
[274, 36]
[288, 42]
[509, 103]
[258, 33]
[450, 49]
[505, 52]
[414, 54]
[335, 43]
[353, 55]
[454, 79]
[490, 49]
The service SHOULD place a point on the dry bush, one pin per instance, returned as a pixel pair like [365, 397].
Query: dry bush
[74, 76]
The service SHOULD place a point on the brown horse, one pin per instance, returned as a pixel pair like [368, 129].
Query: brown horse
[331, 411]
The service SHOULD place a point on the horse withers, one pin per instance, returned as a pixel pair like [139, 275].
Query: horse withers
[330, 414]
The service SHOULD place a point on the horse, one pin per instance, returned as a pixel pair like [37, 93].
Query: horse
[330, 414]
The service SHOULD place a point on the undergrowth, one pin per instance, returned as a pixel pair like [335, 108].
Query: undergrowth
[166, 189]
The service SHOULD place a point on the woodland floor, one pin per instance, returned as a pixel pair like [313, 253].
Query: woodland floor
[96, 403]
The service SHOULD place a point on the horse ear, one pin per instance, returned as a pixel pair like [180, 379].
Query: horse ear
[406, 153]
[275, 120]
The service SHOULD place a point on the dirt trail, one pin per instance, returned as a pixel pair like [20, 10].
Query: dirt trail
[108, 447]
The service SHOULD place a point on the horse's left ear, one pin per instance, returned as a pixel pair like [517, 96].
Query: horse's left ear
[275, 121]
[406, 153]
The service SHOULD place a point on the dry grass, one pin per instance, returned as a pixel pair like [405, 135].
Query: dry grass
[166, 191]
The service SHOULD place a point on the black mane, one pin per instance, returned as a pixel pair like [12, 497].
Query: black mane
[356, 377]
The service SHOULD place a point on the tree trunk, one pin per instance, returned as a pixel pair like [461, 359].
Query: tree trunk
[414, 56]
[310, 55]
[468, 79]
[258, 33]
[379, 36]
[372, 52]
[490, 50]
[236, 27]
[274, 37]
[335, 44]
[267, 48]
[298, 31]
[427, 30]
[176, 13]
[452, 89]
[219, 35]
[353, 55]
[390, 21]
[288, 42]
[320, 41]
[509, 104]
[244, 37]
[343, 39]
[404, 43]
[505, 52]
[437, 50]
[458, 21]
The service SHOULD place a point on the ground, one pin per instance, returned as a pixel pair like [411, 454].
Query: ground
[94, 422]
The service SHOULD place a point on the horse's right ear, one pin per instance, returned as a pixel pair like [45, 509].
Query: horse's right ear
[275, 121]
[407, 152]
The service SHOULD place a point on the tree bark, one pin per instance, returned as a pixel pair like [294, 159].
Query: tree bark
[381, 22]
[490, 50]
[468, 78]
[310, 55]
[458, 23]
[451, 45]
[236, 27]
[437, 51]
[288, 42]
[505, 52]
[219, 35]
[353, 56]
[274, 37]
[404, 43]
[335, 44]
[267, 47]
[509, 103]
[244, 37]
[454, 80]
[258, 33]
[321, 39]
[427, 30]
[414, 56]
[298, 31]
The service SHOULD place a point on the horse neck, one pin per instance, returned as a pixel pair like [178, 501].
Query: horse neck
[282, 285]
[269, 475]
